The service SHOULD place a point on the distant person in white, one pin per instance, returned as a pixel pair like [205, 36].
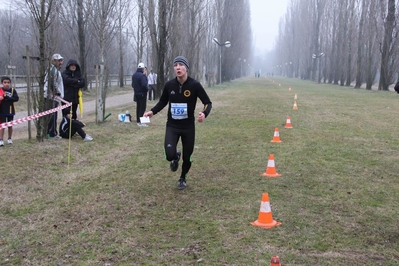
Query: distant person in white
[152, 85]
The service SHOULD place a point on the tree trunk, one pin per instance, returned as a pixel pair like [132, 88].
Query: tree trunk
[360, 39]
[386, 46]
[82, 41]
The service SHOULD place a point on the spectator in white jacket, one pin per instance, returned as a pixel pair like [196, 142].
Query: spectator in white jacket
[53, 87]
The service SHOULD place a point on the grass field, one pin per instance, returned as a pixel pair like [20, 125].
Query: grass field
[116, 202]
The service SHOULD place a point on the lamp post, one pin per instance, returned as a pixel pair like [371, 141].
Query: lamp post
[314, 56]
[239, 60]
[281, 69]
[290, 74]
[227, 44]
[244, 65]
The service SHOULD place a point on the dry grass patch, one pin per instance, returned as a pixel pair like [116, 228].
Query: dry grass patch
[117, 203]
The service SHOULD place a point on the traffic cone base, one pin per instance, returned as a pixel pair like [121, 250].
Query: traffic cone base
[271, 168]
[265, 218]
[276, 137]
[271, 175]
[267, 225]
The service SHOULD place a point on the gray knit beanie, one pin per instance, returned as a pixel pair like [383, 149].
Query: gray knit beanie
[181, 59]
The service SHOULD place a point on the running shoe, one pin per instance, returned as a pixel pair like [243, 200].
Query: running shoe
[174, 164]
[182, 184]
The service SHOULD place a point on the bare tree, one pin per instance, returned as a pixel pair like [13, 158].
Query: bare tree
[318, 6]
[82, 39]
[387, 47]
[371, 44]
[158, 25]
[42, 12]
[74, 18]
[124, 12]
[360, 49]
[235, 27]
[103, 21]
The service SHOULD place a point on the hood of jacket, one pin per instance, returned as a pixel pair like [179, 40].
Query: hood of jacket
[72, 62]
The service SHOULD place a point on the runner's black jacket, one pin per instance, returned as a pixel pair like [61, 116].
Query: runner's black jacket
[188, 92]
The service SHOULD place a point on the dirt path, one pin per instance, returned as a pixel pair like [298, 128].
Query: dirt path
[89, 107]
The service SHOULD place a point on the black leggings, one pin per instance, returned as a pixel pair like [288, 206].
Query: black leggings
[187, 136]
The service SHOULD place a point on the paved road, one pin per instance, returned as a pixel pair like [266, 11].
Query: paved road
[89, 107]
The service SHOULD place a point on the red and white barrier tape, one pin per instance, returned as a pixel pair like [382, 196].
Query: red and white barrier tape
[28, 118]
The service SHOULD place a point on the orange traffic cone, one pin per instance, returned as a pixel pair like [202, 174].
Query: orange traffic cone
[265, 218]
[271, 168]
[275, 261]
[295, 97]
[295, 106]
[288, 124]
[276, 137]
[289, 89]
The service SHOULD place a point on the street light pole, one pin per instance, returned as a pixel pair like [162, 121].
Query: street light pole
[239, 59]
[314, 56]
[227, 44]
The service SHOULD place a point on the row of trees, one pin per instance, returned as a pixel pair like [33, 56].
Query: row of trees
[340, 42]
[113, 36]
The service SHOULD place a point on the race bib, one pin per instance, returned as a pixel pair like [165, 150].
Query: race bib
[179, 111]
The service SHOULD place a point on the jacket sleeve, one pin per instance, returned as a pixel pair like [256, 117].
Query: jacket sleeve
[144, 83]
[163, 101]
[205, 100]
[82, 82]
[69, 81]
[11, 96]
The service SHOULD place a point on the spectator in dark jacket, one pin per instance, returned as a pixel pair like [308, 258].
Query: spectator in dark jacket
[73, 83]
[140, 86]
[68, 126]
[7, 108]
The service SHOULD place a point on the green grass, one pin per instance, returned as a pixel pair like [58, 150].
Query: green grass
[117, 202]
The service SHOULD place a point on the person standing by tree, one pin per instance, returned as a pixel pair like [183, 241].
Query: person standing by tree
[152, 85]
[140, 86]
[53, 87]
[73, 83]
[181, 93]
[7, 108]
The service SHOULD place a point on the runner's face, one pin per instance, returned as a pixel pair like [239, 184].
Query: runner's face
[180, 69]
